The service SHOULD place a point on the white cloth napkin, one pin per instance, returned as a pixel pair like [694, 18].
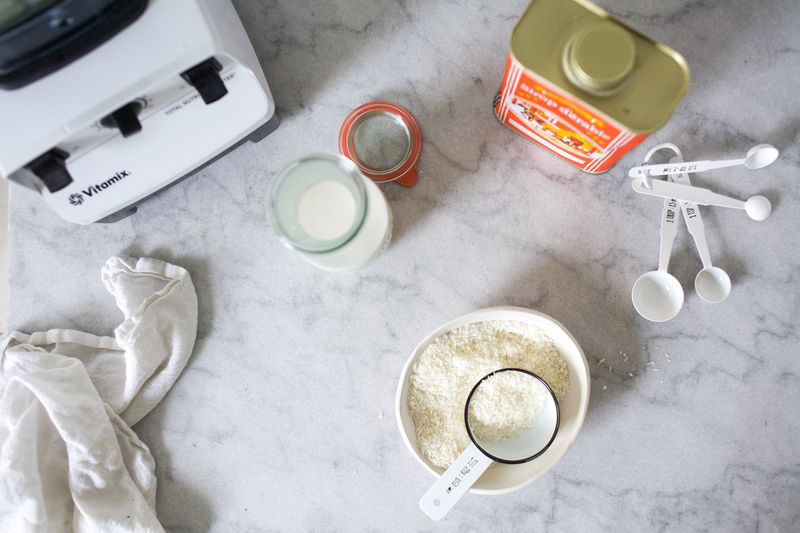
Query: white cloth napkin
[69, 460]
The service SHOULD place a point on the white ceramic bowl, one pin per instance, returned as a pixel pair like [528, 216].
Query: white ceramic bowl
[503, 478]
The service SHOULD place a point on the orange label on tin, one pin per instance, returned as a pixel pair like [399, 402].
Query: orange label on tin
[559, 122]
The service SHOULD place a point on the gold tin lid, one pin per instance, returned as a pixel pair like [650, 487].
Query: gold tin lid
[599, 57]
[579, 48]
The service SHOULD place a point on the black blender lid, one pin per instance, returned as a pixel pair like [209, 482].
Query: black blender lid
[43, 36]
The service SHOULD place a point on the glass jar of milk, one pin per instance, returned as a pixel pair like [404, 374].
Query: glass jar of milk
[325, 209]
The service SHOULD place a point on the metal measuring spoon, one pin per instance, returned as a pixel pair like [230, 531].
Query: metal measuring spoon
[712, 283]
[658, 295]
[758, 156]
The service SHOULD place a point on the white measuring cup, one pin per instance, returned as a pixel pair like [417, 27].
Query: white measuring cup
[758, 156]
[657, 295]
[481, 452]
[712, 284]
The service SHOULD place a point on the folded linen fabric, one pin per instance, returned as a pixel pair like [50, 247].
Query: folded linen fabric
[68, 458]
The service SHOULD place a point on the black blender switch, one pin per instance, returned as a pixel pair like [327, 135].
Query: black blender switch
[206, 79]
[51, 168]
[125, 119]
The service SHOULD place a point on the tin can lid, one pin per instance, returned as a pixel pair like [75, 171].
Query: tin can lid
[384, 140]
[599, 57]
[579, 48]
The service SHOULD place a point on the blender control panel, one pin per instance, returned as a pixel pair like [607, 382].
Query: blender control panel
[154, 139]
[165, 98]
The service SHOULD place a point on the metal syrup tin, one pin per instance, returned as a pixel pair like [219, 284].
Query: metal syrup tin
[585, 86]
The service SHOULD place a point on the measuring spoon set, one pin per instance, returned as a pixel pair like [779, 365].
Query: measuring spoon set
[658, 295]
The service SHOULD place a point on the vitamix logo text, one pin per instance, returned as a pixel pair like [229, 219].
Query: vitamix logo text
[79, 198]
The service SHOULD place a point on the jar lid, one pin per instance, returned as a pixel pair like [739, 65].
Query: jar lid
[384, 140]
[599, 57]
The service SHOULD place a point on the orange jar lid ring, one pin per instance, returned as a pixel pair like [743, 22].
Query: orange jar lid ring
[384, 140]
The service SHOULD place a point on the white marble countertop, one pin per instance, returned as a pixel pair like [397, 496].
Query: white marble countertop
[276, 422]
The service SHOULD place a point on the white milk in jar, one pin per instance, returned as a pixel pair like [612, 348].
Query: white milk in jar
[325, 209]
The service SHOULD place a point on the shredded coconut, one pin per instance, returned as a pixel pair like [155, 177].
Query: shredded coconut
[453, 363]
[505, 405]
